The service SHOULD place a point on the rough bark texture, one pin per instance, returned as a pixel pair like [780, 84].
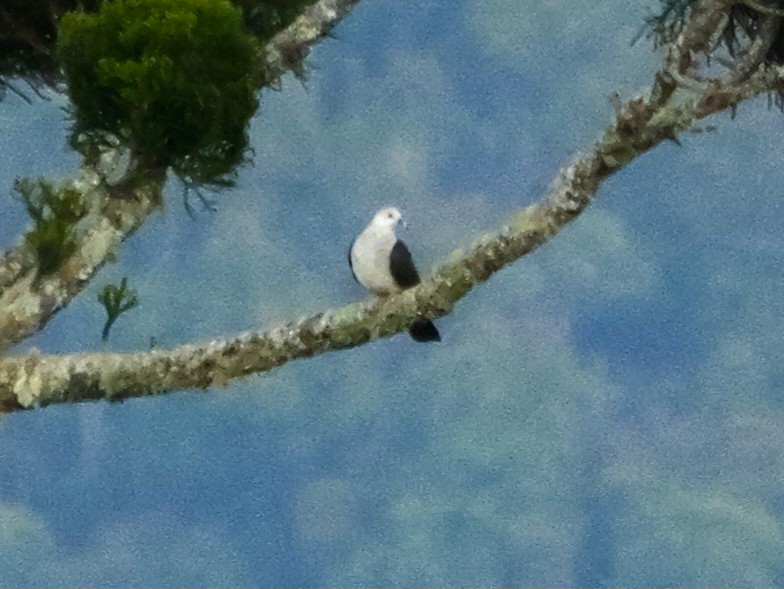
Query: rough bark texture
[639, 126]
[289, 48]
[28, 301]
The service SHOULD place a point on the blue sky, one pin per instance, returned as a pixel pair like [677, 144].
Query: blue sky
[603, 412]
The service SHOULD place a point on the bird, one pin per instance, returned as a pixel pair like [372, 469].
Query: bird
[382, 264]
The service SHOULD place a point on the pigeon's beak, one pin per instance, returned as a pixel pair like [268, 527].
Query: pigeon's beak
[403, 224]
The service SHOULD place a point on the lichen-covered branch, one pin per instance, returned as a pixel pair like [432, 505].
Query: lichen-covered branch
[114, 213]
[289, 48]
[764, 8]
[754, 56]
[639, 126]
[13, 264]
[28, 299]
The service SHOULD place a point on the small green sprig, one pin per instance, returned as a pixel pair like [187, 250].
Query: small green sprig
[116, 300]
[55, 213]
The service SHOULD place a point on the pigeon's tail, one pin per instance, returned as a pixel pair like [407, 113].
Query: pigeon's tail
[423, 330]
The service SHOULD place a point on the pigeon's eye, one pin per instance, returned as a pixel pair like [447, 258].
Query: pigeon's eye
[390, 215]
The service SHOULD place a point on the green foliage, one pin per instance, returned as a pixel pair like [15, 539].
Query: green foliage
[116, 300]
[55, 213]
[29, 30]
[177, 78]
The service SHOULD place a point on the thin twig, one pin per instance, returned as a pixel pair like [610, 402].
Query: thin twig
[763, 8]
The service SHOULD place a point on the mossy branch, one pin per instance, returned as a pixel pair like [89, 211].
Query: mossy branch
[29, 30]
[118, 210]
[32, 298]
[55, 213]
[639, 126]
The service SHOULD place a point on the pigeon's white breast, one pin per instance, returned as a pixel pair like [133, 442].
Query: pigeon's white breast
[370, 260]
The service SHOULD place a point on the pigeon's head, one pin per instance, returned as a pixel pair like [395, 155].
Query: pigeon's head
[388, 217]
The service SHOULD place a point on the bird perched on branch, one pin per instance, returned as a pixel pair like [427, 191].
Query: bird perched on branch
[382, 264]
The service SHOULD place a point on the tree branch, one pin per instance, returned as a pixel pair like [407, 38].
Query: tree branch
[706, 21]
[753, 57]
[31, 300]
[288, 49]
[763, 8]
[27, 301]
[639, 126]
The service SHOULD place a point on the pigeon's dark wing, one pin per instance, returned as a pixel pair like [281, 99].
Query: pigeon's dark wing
[401, 266]
[423, 330]
[350, 265]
